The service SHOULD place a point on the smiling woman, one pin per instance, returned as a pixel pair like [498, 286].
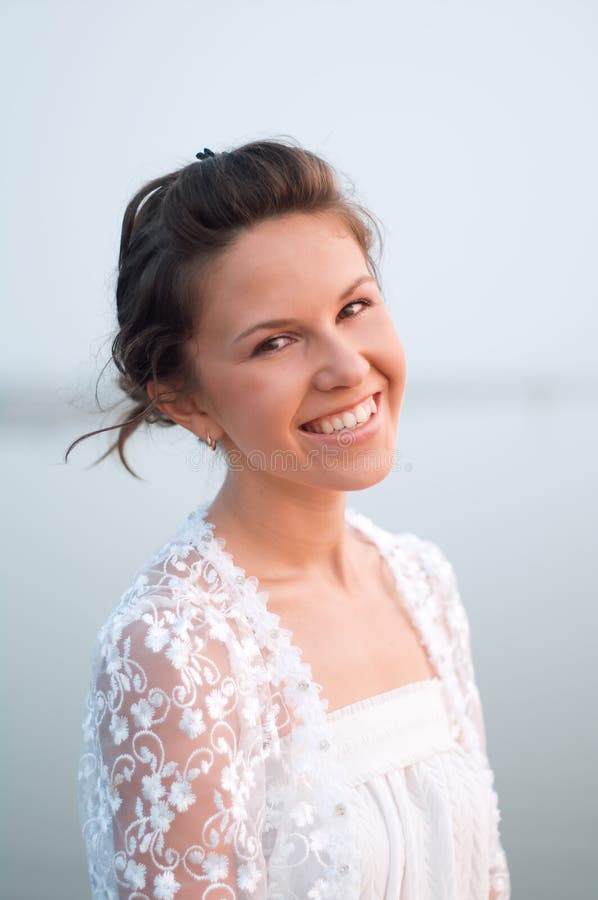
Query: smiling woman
[294, 716]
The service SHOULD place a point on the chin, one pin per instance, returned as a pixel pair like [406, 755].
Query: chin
[363, 481]
[346, 477]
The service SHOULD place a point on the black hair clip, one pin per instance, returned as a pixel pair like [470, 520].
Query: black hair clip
[206, 152]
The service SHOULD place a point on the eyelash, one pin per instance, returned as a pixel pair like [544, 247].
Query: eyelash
[261, 352]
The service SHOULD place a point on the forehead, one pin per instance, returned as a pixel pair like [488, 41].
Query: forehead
[280, 262]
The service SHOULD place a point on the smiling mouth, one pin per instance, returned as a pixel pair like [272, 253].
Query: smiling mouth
[345, 420]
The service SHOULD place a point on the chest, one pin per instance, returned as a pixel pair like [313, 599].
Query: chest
[358, 643]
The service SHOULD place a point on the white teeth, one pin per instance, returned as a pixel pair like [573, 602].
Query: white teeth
[358, 416]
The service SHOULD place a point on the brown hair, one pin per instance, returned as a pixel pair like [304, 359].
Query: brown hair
[174, 228]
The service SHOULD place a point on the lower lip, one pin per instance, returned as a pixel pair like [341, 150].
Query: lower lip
[358, 435]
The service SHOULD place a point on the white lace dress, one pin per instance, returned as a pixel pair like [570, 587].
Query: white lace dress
[211, 769]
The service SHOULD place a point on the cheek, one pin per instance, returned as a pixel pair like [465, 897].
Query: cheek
[400, 360]
[391, 354]
[228, 394]
[253, 410]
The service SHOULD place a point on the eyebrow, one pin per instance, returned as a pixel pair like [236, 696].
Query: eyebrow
[282, 323]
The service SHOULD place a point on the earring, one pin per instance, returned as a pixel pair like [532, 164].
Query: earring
[211, 442]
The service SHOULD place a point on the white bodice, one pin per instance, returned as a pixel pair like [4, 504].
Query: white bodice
[425, 831]
[396, 728]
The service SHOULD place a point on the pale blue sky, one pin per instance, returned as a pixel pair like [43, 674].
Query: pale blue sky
[469, 128]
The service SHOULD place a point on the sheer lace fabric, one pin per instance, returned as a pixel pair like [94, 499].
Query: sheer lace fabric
[208, 764]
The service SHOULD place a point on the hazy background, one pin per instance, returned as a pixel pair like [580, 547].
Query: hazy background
[470, 130]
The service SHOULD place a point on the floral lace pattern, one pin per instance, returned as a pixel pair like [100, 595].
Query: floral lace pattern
[186, 789]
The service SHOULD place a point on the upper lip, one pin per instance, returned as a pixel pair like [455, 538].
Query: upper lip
[341, 409]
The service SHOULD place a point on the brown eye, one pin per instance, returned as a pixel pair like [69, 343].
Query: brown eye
[362, 300]
[263, 347]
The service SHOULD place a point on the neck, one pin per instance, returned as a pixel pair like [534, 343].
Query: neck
[286, 535]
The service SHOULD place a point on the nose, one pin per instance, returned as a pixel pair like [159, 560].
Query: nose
[339, 363]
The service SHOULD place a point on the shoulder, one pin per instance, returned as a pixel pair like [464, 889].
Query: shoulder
[432, 559]
[177, 604]
[175, 648]
[421, 566]
[424, 553]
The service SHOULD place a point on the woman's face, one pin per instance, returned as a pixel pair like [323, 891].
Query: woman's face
[336, 347]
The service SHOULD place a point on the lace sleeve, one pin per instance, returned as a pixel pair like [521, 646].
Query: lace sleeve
[455, 620]
[172, 787]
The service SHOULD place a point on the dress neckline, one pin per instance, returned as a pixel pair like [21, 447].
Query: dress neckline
[410, 687]
[199, 530]
[389, 731]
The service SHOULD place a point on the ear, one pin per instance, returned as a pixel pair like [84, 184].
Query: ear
[182, 408]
